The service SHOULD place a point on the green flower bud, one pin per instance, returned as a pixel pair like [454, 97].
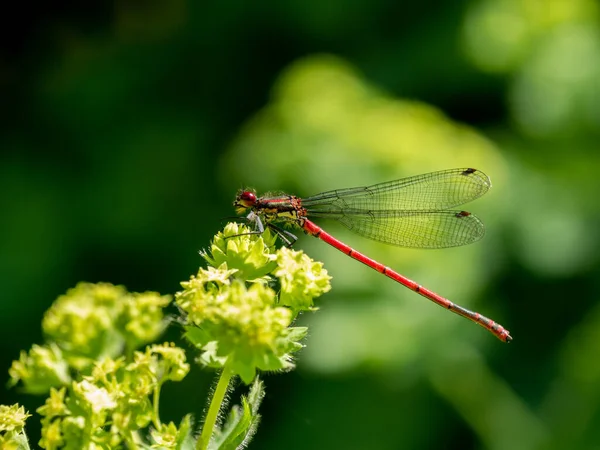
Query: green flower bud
[55, 404]
[250, 254]
[40, 369]
[170, 362]
[74, 433]
[166, 437]
[52, 436]
[12, 418]
[130, 385]
[12, 433]
[208, 281]
[301, 279]
[160, 363]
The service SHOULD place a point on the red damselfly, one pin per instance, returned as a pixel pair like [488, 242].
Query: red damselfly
[410, 212]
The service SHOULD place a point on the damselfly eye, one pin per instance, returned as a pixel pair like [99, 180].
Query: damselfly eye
[247, 198]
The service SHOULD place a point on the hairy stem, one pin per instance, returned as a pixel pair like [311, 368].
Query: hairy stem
[214, 408]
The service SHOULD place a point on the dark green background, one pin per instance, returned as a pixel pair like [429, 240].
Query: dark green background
[127, 128]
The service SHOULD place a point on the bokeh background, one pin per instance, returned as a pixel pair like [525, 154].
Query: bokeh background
[127, 127]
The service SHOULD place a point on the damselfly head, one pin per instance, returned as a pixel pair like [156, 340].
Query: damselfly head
[244, 200]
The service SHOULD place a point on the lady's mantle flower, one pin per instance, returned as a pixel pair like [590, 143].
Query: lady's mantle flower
[40, 369]
[107, 407]
[95, 321]
[301, 278]
[12, 423]
[250, 254]
[235, 317]
[12, 418]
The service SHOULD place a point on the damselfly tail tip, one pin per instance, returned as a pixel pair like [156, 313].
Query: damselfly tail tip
[497, 330]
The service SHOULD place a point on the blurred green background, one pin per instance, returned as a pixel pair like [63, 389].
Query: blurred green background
[128, 126]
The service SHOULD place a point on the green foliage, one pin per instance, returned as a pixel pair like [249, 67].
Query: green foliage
[114, 160]
[242, 421]
[234, 316]
[104, 394]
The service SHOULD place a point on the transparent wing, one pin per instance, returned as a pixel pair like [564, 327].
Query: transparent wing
[427, 192]
[417, 229]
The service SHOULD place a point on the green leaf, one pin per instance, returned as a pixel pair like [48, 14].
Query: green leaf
[297, 333]
[196, 336]
[20, 440]
[246, 372]
[210, 358]
[269, 361]
[242, 421]
[185, 438]
[256, 395]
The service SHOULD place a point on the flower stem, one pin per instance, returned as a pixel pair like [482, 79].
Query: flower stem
[214, 408]
[156, 418]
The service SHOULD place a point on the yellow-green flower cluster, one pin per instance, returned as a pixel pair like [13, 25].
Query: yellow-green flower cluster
[242, 324]
[96, 320]
[165, 437]
[12, 423]
[252, 256]
[107, 408]
[161, 363]
[142, 318]
[81, 321]
[104, 394]
[301, 278]
[90, 322]
[234, 313]
[40, 369]
[169, 436]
